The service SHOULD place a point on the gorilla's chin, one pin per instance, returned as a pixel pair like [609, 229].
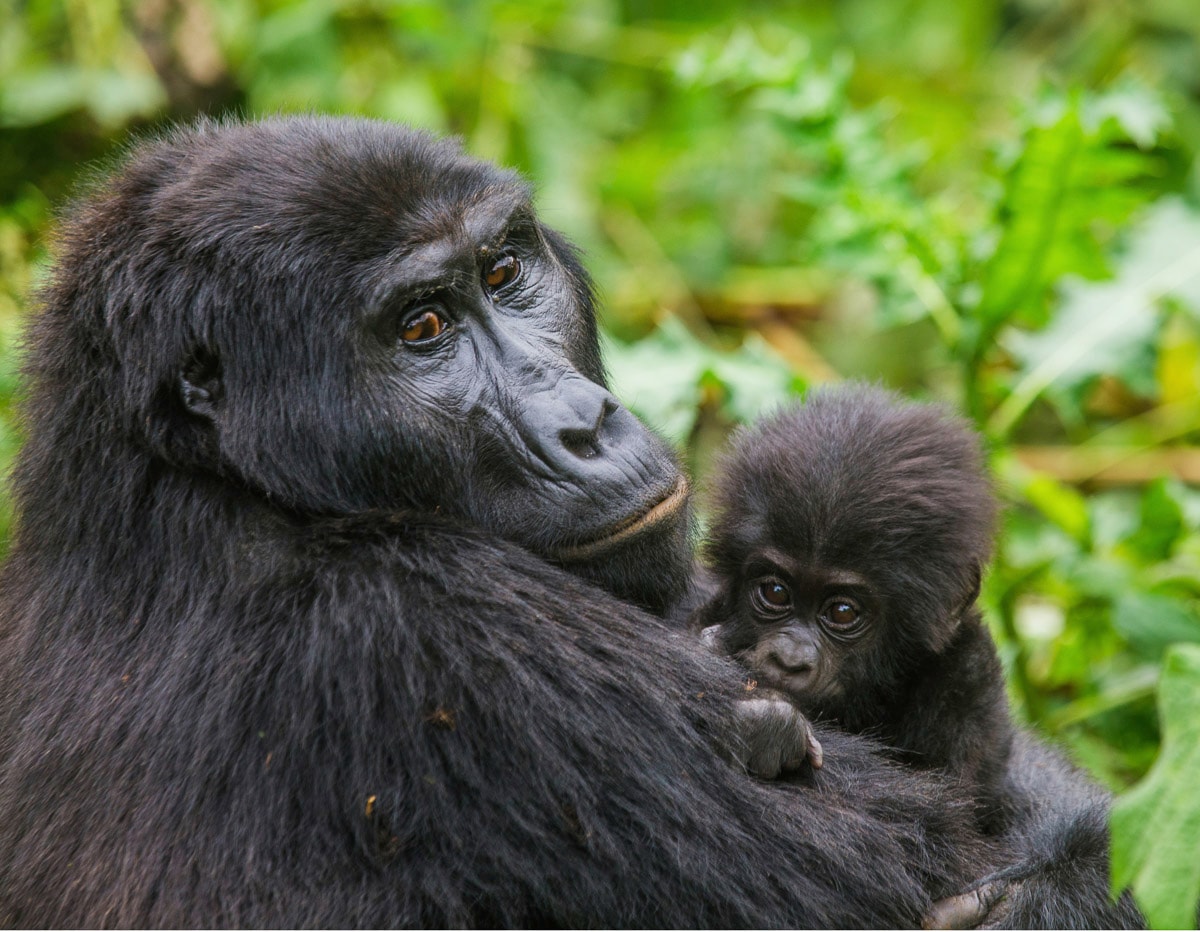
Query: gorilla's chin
[647, 561]
[636, 525]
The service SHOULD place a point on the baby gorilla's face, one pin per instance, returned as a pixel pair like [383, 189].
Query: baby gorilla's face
[799, 626]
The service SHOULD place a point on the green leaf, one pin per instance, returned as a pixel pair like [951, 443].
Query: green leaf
[1161, 523]
[1061, 504]
[1110, 328]
[1036, 195]
[1074, 179]
[1156, 825]
[111, 97]
[1154, 622]
[663, 376]
[1136, 108]
[659, 377]
[40, 96]
[754, 378]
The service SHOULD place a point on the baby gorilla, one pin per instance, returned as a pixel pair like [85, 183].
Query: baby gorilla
[849, 538]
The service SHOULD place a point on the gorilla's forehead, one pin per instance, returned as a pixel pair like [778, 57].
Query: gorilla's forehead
[368, 187]
[430, 238]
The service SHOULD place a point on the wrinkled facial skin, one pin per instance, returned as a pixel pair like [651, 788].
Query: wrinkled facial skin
[478, 333]
[802, 629]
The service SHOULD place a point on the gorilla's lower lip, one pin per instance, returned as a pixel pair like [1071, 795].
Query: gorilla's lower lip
[631, 527]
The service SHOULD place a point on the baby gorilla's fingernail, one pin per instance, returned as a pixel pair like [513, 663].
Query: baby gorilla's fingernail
[815, 754]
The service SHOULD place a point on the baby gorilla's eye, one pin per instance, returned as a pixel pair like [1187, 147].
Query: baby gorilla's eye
[424, 327]
[503, 272]
[771, 597]
[841, 613]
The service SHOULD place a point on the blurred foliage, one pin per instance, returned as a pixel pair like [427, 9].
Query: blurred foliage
[993, 204]
[1155, 825]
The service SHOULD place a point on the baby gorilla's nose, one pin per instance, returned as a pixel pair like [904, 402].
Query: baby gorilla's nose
[794, 655]
[792, 659]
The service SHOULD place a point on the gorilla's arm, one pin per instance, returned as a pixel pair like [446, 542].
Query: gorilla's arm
[419, 726]
[1058, 846]
[619, 711]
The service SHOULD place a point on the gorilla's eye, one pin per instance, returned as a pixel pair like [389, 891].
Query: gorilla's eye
[771, 597]
[503, 272]
[841, 613]
[424, 327]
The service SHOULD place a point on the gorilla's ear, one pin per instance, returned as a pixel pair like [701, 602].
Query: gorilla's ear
[185, 412]
[200, 385]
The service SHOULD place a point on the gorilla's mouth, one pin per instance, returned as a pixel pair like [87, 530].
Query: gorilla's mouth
[630, 527]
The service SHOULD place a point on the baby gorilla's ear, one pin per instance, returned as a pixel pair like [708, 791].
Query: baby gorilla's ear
[973, 591]
[953, 605]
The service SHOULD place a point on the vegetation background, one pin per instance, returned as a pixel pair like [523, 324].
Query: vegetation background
[995, 204]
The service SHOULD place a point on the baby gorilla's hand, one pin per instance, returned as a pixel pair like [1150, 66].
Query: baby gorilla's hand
[772, 736]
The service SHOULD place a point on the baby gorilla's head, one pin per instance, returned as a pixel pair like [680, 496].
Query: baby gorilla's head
[849, 538]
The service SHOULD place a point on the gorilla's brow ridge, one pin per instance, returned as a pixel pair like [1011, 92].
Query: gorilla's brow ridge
[421, 265]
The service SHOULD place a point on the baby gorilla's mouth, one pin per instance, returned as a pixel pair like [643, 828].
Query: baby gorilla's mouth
[630, 527]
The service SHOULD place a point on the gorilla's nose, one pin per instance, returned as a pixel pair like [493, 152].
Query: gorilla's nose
[584, 435]
[584, 442]
[794, 659]
[795, 678]
[801, 670]
[575, 420]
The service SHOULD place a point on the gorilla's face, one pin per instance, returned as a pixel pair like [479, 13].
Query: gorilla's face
[373, 321]
[479, 340]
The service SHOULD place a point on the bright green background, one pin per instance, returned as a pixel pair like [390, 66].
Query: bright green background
[989, 203]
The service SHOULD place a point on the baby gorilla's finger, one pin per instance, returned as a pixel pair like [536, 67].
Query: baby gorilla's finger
[816, 756]
[965, 911]
[710, 637]
[811, 753]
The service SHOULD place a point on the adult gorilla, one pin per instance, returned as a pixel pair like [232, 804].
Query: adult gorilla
[316, 418]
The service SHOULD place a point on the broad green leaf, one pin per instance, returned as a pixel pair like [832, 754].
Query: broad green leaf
[112, 97]
[1073, 178]
[1156, 825]
[659, 378]
[1152, 622]
[1136, 108]
[663, 376]
[754, 378]
[1110, 328]
[1098, 576]
[1061, 504]
[1178, 371]
[1037, 192]
[40, 96]
[1161, 523]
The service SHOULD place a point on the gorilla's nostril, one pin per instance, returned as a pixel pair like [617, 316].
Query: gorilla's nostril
[580, 442]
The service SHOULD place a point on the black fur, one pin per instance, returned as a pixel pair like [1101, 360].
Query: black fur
[1058, 843]
[283, 639]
